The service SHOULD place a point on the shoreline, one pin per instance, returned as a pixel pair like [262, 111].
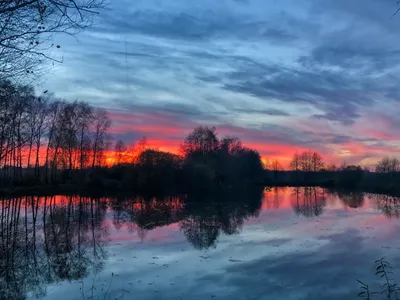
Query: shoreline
[65, 189]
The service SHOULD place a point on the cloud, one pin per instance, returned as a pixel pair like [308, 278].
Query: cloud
[317, 76]
[337, 95]
[190, 25]
[268, 112]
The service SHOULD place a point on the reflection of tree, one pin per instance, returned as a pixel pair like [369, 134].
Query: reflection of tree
[141, 214]
[201, 232]
[273, 197]
[201, 218]
[42, 242]
[352, 199]
[207, 217]
[308, 201]
[389, 205]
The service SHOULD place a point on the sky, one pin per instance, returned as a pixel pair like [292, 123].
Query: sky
[283, 76]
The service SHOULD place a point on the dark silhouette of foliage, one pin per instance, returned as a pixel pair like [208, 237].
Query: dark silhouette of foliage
[49, 142]
[388, 165]
[350, 176]
[200, 143]
[307, 162]
[157, 168]
[209, 161]
[73, 135]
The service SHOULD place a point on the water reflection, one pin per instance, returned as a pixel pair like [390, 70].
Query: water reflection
[352, 199]
[389, 205]
[204, 222]
[201, 218]
[45, 240]
[308, 201]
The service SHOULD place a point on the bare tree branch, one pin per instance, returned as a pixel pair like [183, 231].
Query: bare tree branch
[27, 29]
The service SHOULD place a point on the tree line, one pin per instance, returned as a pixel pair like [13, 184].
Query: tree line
[48, 141]
[312, 161]
[40, 135]
[205, 162]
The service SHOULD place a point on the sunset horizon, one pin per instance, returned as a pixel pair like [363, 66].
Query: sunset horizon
[199, 149]
[288, 78]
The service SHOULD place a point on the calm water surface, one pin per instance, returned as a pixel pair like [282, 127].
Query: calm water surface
[287, 243]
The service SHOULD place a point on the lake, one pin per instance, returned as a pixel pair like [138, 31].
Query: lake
[282, 243]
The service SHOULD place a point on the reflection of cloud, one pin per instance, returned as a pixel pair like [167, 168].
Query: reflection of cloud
[304, 273]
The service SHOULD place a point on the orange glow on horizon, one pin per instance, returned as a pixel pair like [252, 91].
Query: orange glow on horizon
[165, 132]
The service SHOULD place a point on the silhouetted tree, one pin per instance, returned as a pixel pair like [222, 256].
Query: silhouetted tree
[202, 141]
[28, 26]
[210, 162]
[101, 125]
[331, 168]
[350, 176]
[73, 136]
[295, 162]
[157, 168]
[388, 165]
[120, 152]
[276, 166]
[307, 161]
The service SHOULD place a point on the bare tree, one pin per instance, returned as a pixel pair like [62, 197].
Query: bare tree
[317, 162]
[295, 162]
[84, 121]
[72, 136]
[120, 151]
[307, 161]
[201, 141]
[331, 168]
[100, 125]
[388, 165]
[53, 142]
[276, 166]
[231, 145]
[28, 27]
